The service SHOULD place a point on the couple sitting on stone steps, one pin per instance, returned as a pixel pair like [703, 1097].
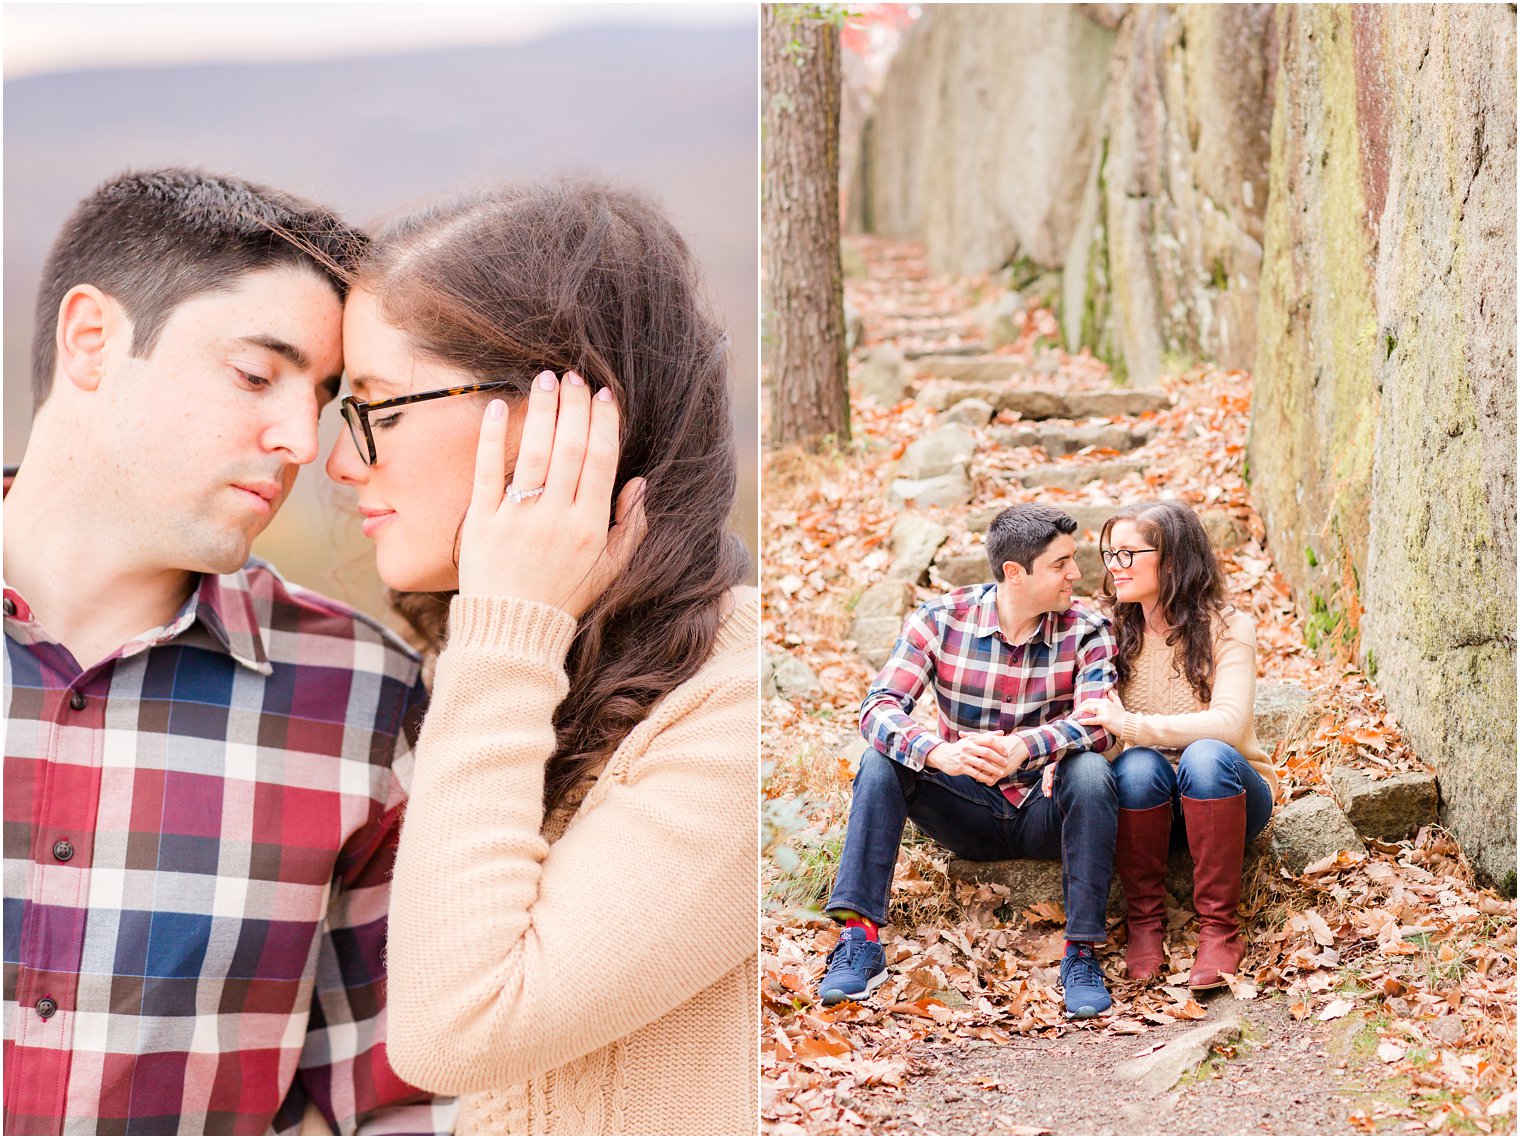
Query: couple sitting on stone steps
[1102, 737]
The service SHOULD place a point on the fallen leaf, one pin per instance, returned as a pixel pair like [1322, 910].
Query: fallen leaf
[1319, 928]
[1334, 1009]
[1242, 988]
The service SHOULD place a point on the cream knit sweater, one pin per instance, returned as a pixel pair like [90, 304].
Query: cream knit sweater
[599, 981]
[1163, 711]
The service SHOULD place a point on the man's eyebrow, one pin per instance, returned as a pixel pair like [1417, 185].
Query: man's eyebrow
[331, 386]
[279, 347]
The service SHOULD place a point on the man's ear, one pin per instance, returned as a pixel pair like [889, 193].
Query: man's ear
[87, 321]
[1013, 571]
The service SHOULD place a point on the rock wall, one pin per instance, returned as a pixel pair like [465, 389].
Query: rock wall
[1383, 433]
[1315, 408]
[1163, 266]
[1440, 577]
[984, 132]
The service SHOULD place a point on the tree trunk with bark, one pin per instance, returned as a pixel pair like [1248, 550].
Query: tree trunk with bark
[810, 402]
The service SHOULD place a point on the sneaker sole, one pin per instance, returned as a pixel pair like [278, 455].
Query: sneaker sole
[1086, 1012]
[839, 996]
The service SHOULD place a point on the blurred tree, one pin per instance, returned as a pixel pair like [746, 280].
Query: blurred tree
[799, 69]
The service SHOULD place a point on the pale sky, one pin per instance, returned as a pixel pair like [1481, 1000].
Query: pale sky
[67, 36]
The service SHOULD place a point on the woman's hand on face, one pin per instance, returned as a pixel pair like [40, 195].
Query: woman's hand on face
[553, 546]
[1107, 712]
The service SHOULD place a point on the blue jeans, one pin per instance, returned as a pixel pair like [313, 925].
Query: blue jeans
[1208, 769]
[1077, 825]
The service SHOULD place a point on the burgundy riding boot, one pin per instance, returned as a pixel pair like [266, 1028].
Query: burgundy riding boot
[1140, 857]
[1216, 832]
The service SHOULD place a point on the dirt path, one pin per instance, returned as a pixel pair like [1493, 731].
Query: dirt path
[1284, 1078]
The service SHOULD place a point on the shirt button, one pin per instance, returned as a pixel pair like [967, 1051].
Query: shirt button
[77, 701]
[46, 1007]
[10, 607]
[63, 850]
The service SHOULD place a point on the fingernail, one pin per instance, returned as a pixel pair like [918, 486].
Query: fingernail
[496, 408]
[546, 381]
[575, 379]
[605, 395]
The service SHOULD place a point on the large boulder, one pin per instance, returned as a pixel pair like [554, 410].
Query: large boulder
[943, 451]
[791, 678]
[1308, 829]
[1281, 706]
[972, 412]
[883, 375]
[1003, 318]
[915, 539]
[953, 489]
[1389, 808]
[878, 618]
[962, 569]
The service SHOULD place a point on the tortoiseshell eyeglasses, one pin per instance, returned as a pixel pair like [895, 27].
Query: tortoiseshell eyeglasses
[356, 412]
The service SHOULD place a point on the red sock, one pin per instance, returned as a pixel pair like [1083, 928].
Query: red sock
[1089, 944]
[863, 923]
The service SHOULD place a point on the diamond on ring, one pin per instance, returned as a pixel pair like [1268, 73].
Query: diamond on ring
[515, 495]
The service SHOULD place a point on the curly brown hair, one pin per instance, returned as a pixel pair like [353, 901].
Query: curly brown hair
[1192, 599]
[571, 274]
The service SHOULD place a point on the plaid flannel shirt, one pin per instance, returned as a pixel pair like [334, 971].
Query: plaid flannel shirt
[982, 683]
[199, 833]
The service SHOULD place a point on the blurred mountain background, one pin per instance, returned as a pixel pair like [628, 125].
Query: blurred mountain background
[669, 108]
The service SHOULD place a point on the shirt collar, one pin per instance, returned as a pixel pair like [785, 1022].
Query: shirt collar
[987, 619]
[224, 605]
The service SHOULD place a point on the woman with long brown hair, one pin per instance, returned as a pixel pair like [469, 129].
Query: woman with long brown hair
[1184, 715]
[540, 438]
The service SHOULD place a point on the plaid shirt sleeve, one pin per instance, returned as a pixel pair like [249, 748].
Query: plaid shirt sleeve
[885, 715]
[1094, 675]
[343, 1069]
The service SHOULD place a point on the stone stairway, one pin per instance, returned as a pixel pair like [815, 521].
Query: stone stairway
[1093, 439]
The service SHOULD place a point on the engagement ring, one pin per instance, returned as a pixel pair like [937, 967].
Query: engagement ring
[515, 495]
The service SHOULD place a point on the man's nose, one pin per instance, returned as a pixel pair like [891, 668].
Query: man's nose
[294, 429]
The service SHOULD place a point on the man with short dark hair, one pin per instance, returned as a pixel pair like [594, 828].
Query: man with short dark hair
[204, 764]
[1009, 773]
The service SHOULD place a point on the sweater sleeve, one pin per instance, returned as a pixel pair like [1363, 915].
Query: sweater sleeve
[1230, 715]
[510, 957]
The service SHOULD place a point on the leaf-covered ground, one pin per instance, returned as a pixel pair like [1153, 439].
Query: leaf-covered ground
[1378, 989]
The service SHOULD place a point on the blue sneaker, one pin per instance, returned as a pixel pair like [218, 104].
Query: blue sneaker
[1082, 982]
[856, 966]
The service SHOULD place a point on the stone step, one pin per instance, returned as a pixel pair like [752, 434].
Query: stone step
[970, 348]
[1089, 517]
[974, 370]
[1040, 403]
[929, 312]
[1074, 476]
[1059, 439]
[1033, 880]
[968, 569]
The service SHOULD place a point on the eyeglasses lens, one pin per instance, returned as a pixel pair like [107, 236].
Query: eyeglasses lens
[356, 433]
